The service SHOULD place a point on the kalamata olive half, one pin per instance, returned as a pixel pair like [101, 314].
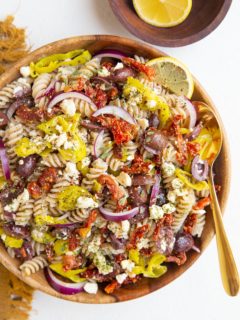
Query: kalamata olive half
[166, 240]
[11, 192]
[199, 169]
[143, 180]
[155, 140]
[121, 75]
[26, 166]
[138, 195]
[19, 232]
[3, 119]
[184, 242]
[154, 121]
[117, 243]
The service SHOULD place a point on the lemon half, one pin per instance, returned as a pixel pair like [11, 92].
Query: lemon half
[173, 75]
[163, 13]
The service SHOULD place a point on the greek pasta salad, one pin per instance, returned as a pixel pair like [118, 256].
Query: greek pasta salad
[104, 171]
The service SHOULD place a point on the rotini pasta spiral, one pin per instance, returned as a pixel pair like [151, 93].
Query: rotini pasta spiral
[40, 84]
[24, 213]
[32, 266]
[98, 167]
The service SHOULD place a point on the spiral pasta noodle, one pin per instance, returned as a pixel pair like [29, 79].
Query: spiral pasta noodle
[32, 266]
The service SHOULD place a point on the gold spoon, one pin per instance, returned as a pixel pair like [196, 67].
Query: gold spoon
[228, 268]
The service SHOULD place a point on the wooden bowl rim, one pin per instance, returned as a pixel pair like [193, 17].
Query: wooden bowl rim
[7, 261]
[172, 42]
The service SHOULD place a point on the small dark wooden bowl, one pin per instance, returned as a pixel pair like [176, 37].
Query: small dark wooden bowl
[205, 16]
[94, 44]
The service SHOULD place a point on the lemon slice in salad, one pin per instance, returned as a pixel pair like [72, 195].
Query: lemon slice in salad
[163, 13]
[173, 75]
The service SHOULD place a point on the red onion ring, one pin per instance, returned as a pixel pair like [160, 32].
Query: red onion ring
[4, 160]
[153, 151]
[155, 191]
[117, 112]
[110, 53]
[98, 144]
[191, 112]
[66, 95]
[48, 91]
[118, 216]
[63, 287]
[199, 168]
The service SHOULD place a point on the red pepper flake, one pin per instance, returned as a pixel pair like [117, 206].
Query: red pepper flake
[140, 67]
[138, 166]
[122, 130]
[201, 204]
[190, 223]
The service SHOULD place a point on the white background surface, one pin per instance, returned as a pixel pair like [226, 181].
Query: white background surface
[198, 294]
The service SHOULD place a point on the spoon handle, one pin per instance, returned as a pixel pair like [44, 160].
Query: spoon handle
[228, 268]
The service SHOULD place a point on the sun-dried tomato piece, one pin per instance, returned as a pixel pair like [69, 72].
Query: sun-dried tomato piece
[112, 93]
[111, 184]
[30, 114]
[166, 220]
[140, 67]
[111, 287]
[34, 189]
[201, 204]
[138, 166]
[190, 223]
[179, 258]
[73, 242]
[137, 234]
[107, 64]
[193, 148]
[47, 178]
[71, 262]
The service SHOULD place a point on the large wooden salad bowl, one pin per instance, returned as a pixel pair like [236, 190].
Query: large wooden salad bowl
[95, 43]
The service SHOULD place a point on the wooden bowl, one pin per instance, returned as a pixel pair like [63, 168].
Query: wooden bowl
[93, 44]
[205, 16]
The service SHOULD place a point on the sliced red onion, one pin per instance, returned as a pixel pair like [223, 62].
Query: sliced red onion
[199, 169]
[61, 286]
[66, 95]
[4, 160]
[98, 144]
[118, 216]
[151, 150]
[155, 191]
[110, 53]
[49, 90]
[195, 132]
[191, 112]
[115, 111]
[196, 249]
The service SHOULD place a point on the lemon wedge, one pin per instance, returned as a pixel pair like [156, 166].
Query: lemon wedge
[173, 75]
[163, 13]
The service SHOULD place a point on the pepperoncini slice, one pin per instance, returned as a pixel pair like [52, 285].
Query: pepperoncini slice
[67, 199]
[41, 220]
[69, 274]
[52, 62]
[11, 242]
[25, 147]
[150, 100]
[60, 247]
[186, 178]
[42, 237]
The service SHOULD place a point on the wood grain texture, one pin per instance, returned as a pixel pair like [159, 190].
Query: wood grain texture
[93, 44]
[204, 17]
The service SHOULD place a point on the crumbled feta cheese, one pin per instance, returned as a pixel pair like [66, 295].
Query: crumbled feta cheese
[151, 103]
[120, 230]
[95, 244]
[61, 140]
[68, 145]
[100, 261]
[163, 245]
[71, 171]
[25, 71]
[143, 123]
[33, 133]
[91, 287]
[143, 243]
[121, 277]
[23, 197]
[103, 72]
[171, 196]
[68, 107]
[168, 208]
[24, 81]
[3, 237]
[156, 212]
[17, 89]
[86, 202]
[12, 207]
[118, 66]
[177, 183]
[124, 179]
[83, 134]
[21, 162]
[168, 169]
[130, 158]
[127, 265]
[125, 225]
[59, 128]
[86, 162]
